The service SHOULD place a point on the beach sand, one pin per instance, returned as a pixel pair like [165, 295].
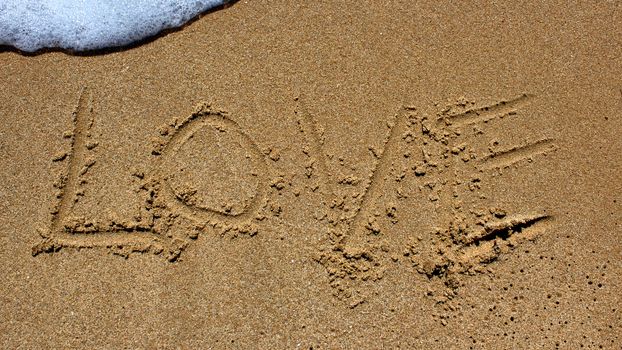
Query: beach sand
[320, 175]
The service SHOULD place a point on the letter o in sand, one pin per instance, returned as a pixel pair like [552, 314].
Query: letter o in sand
[211, 171]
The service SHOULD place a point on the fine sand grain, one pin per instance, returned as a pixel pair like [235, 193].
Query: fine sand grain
[320, 175]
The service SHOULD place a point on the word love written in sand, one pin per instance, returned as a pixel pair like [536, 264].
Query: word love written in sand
[175, 212]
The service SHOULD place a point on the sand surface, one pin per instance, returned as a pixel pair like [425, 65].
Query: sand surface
[320, 175]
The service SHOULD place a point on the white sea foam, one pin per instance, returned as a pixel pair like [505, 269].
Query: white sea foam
[81, 25]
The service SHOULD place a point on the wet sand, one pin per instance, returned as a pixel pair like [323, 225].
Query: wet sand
[319, 176]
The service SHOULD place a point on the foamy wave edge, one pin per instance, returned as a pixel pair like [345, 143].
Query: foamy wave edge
[86, 25]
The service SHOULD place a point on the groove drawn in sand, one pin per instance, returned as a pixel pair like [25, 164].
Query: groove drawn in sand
[308, 127]
[486, 113]
[503, 228]
[376, 182]
[220, 121]
[166, 224]
[425, 162]
[518, 153]
[340, 256]
[484, 244]
[435, 156]
[67, 232]
[472, 231]
[82, 121]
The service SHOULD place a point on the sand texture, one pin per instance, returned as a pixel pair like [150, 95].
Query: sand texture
[320, 175]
